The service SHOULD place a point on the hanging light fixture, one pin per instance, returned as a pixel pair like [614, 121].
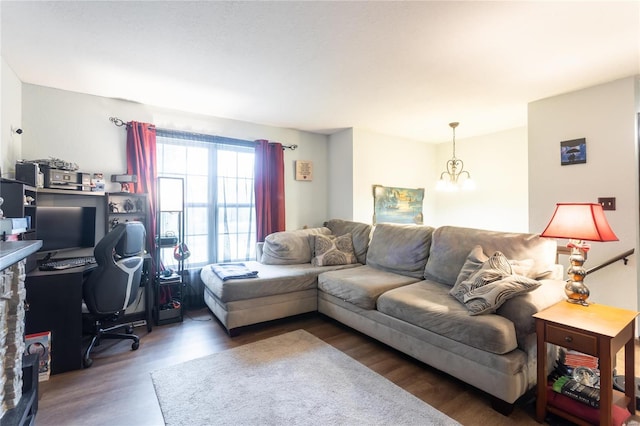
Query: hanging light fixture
[455, 176]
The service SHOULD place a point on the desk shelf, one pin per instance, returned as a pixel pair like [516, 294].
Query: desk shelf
[123, 207]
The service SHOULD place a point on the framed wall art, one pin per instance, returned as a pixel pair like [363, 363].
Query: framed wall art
[304, 170]
[573, 152]
[397, 205]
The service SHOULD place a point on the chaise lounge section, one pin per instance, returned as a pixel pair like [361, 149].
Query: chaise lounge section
[287, 281]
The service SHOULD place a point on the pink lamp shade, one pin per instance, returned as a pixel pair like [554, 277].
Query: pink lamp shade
[579, 221]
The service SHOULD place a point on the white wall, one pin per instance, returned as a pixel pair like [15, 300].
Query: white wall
[498, 165]
[75, 127]
[340, 180]
[606, 115]
[390, 161]
[10, 118]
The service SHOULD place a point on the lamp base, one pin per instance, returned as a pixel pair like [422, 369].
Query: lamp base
[578, 302]
[575, 288]
[577, 292]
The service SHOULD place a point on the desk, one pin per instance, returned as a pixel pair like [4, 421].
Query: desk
[54, 300]
[54, 303]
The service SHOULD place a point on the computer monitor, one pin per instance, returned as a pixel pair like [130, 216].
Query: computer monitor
[65, 228]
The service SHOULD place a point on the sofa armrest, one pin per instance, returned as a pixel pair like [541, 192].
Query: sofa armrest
[520, 309]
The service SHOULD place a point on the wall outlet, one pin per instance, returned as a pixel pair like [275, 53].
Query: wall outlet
[607, 203]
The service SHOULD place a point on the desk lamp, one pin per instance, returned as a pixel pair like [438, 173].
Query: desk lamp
[578, 222]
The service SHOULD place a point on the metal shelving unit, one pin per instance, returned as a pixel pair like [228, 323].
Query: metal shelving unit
[169, 280]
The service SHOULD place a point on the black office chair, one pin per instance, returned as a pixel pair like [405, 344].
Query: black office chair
[113, 285]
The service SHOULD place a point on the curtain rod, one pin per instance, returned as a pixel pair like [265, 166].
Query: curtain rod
[118, 122]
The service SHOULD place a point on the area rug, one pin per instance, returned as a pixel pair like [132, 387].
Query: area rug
[291, 379]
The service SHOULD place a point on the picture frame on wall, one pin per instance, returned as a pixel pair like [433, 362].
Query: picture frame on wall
[397, 205]
[304, 170]
[573, 152]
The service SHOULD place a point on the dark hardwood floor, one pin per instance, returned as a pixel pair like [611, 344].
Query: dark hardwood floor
[117, 389]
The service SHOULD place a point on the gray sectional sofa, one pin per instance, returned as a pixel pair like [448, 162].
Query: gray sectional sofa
[459, 299]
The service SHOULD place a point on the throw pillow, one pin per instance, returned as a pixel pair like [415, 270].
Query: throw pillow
[474, 261]
[290, 247]
[334, 250]
[360, 235]
[488, 298]
[522, 267]
[495, 268]
[476, 258]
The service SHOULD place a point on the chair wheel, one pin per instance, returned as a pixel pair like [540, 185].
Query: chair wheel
[129, 329]
[135, 345]
[87, 362]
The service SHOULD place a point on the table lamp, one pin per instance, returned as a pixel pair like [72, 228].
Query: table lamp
[578, 222]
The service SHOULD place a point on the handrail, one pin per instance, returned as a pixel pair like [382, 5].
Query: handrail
[621, 256]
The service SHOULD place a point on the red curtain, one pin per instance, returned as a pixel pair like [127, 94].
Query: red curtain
[269, 187]
[141, 161]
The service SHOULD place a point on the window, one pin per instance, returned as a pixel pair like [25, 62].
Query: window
[220, 224]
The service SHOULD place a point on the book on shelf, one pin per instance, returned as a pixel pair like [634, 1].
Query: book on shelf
[619, 415]
[573, 358]
[565, 385]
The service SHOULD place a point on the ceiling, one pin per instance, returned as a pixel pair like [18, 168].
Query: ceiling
[400, 68]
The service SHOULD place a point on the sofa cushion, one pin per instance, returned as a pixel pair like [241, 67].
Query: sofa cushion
[428, 305]
[290, 247]
[402, 249]
[451, 245]
[332, 250]
[361, 286]
[360, 235]
[493, 269]
[271, 280]
[489, 297]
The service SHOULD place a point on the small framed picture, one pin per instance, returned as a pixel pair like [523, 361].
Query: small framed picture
[573, 152]
[304, 170]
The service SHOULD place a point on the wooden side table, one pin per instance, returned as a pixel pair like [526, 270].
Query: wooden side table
[596, 330]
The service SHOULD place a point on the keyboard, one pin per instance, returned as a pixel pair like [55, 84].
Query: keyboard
[67, 263]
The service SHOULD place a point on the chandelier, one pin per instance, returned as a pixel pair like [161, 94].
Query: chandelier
[455, 177]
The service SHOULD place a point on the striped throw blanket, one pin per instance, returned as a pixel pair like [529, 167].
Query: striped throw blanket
[230, 271]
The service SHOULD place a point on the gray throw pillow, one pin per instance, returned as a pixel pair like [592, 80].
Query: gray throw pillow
[330, 250]
[489, 297]
[360, 235]
[290, 247]
[493, 269]
[474, 261]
